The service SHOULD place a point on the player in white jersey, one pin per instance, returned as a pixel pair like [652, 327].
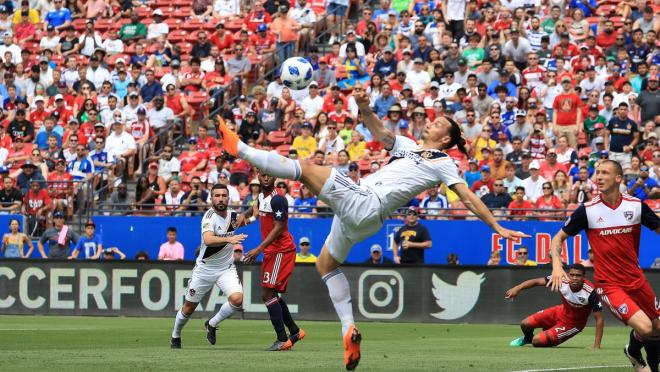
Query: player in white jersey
[214, 266]
[361, 209]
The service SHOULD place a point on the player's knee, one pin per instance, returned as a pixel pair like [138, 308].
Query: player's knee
[188, 308]
[236, 300]
[525, 325]
[542, 340]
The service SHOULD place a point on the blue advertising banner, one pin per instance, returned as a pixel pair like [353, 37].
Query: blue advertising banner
[472, 241]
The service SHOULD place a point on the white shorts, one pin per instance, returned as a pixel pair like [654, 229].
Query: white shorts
[358, 214]
[204, 277]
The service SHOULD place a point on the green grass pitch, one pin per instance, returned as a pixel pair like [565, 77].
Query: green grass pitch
[39, 343]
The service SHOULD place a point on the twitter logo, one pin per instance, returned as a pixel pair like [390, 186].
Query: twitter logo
[456, 300]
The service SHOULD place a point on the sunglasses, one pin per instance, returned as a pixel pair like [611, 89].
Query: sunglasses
[522, 253]
[547, 188]
[304, 243]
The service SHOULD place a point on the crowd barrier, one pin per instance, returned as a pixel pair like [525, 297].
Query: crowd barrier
[430, 293]
[471, 240]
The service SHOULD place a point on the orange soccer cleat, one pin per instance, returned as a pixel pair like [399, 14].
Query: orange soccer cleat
[352, 340]
[229, 138]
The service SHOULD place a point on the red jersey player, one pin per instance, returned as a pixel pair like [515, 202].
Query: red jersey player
[279, 252]
[561, 322]
[613, 224]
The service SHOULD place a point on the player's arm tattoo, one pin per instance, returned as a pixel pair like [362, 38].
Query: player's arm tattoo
[376, 127]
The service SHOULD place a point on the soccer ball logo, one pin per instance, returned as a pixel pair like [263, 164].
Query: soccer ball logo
[296, 73]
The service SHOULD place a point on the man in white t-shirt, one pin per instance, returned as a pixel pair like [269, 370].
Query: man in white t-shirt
[168, 164]
[120, 144]
[449, 88]
[158, 27]
[312, 104]
[419, 79]
[534, 183]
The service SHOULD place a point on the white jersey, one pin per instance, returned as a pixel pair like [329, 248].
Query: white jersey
[220, 255]
[410, 171]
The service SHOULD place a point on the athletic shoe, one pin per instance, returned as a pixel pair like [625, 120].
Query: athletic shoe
[175, 343]
[280, 345]
[297, 336]
[639, 364]
[210, 332]
[352, 355]
[520, 341]
[229, 138]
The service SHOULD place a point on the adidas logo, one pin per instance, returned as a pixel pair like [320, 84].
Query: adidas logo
[600, 220]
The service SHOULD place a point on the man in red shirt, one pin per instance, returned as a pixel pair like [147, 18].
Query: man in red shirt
[36, 202]
[519, 206]
[60, 188]
[567, 116]
[279, 258]
[484, 185]
[63, 113]
[550, 165]
[193, 160]
[263, 42]
[221, 38]
[257, 16]
[5, 139]
[569, 49]
[329, 99]
[192, 81]
[607, 37]
[39, 114]
[613, 223]
[204, 141]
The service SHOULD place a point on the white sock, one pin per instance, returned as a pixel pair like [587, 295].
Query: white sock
[179, 322]
[226, 310]
[271, 163]
[340, 294]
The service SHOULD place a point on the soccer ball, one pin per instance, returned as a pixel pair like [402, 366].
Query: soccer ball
[296, 73]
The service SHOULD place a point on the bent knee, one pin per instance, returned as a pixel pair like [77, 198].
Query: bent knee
[543, 340]
[236, 299]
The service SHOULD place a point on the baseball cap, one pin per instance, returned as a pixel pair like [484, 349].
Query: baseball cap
[584, 46]
[419, 60]
[540, 112]
[101, 125]
[653, 78]
[485, 168]
[120, 60]
[153, 165]
[314, 83]
[403, 124]
[141, 111]
[603, 153]
[599, 140]
[394, 108]
[644, 168]
[262, 27]
[534, 165]
[486, 149]
[59, 97]
[434, 84]
[462, 62]
[411, 211]
[521, 113]
[60, 161]
[283, 9]
[502, 135]
[307, 125]
[387, 49]
[353, 166]
[192, 139]
[406, 87]
[39, 98]
[158, 12]
[599, 126]
[175, 63]
[376, 248]
[406, 51]
[304, 240]
[566, 78]
[28, 164]
[58, 214]
[133, 94]
[593, 108]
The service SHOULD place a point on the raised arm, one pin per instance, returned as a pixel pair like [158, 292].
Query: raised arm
[474, 204]
[513, 292]
[375, 125]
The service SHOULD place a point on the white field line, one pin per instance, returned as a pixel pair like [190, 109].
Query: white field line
[572, 368]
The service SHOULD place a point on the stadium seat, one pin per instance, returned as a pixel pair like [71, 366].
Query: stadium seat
[174, 24]
[177, 36]
[104, 24]
[182, 13]
[79, 24]
[196, 100]
[143, 11]
[193, 25]
[278, 137]
[234, 24]
[283, 149]
[186, 48]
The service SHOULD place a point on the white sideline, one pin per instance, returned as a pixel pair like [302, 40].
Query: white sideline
[572, 368]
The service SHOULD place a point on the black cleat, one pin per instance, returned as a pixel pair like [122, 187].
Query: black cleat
[175, 343]
[210, 332]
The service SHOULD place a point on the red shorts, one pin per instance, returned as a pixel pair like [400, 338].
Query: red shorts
[277, 269]
[556, 328]
[624, 303]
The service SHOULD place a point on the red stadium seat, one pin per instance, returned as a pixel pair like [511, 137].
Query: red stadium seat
[196, 100]
[173, 24]
[283, 149]
[278, 137]
[143, 11]
[234, 24]
[177, 36]
[186, 48]
[168, 12]
[193, 25]
[103, 25]
[79, 24]
[182, 12]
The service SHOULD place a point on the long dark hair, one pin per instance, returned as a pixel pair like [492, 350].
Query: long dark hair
[456, 135]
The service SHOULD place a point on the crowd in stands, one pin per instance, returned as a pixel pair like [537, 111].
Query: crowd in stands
[95, 93]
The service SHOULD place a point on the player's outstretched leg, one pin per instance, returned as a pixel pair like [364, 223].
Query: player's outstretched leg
[634, 353]
[295, 332]
[180, 321]
[340, 294]
[233, 305]
[270, 163]
[277, 319]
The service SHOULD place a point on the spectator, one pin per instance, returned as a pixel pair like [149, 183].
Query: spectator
[14, 241]
[109, 254]
[133, 31]
[174, 195]
[305, 256]
[157, 28]
[497, 199]
[10, 197]
[149, 91]
[452, 259]
[305, 144]
[29, 173]
[510, 180]
[648, 100]
[193, 160]
[119, 199]
[495, 258]
[522, 257]
[433, 203]
[376, 256]
[589, 262]
[550, 165]
[484, 185]
[60, 188]
[142, 256]
[59, 239]
[197, 198]
[239, 67]
[120, 145]
[171, 250]
[644, 187]
[90, 244]
[583, 189]
[59, 18]
[549, 201]
[621, 136]
[304, 205]
[520, 207]
[411, 239]
[534, 183]
[567, 113]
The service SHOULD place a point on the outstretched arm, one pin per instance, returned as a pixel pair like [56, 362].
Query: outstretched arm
[375, 125]
[474, 204]
[513, 292]
[600, 326]
[558, 273]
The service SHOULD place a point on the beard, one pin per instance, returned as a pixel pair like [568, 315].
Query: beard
[220, 207]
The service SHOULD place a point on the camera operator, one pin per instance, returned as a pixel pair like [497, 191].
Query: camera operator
[537, 142]
[196, 199]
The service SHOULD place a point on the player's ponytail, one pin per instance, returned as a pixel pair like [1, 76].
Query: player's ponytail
[457, 138]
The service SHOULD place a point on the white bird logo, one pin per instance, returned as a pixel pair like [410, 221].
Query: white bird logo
[456, 300]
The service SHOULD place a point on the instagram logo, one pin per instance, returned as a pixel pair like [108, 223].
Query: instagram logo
[380, 294]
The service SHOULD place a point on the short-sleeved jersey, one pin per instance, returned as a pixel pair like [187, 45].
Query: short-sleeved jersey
[614, 232]
[579, 305]
[274, 207]
[222, 254]
[410, 171]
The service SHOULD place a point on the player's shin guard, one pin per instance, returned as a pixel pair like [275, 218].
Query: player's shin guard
[180, 321]
[226, 310]
[652, 354]
[635, 345]
[273, 164]
[288, 320]
[340, 294]
[276, 317]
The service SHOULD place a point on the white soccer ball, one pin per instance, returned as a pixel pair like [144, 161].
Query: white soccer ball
[296, 73]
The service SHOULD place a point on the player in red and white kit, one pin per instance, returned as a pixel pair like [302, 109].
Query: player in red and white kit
[279, 251]
[613, 224]
[560, 323]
